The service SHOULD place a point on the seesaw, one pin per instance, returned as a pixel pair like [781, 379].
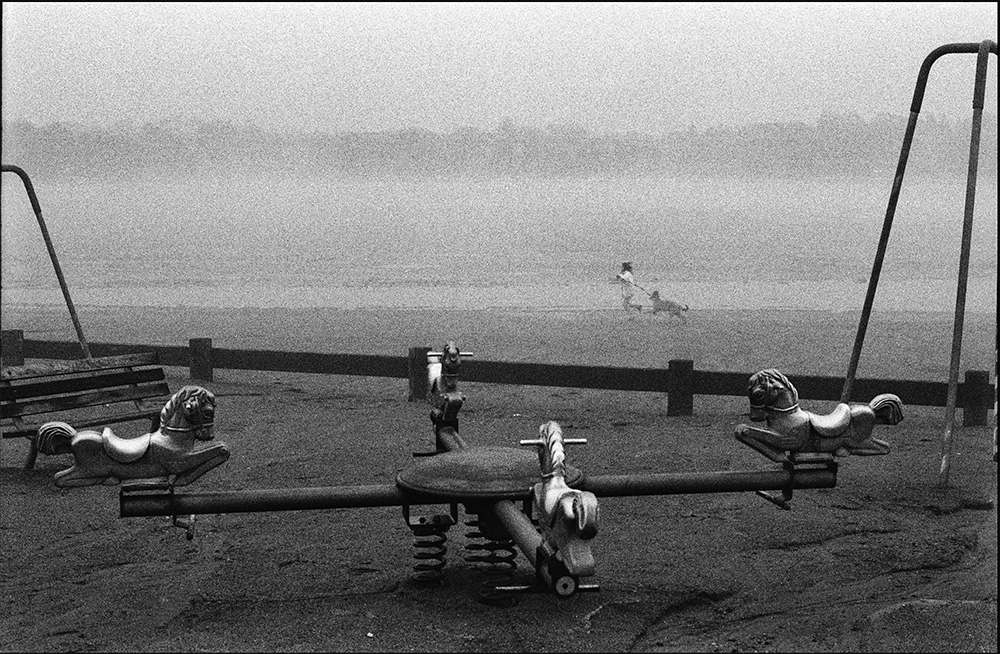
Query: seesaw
[531, 501]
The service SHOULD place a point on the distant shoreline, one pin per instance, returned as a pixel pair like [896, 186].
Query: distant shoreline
[863, 145]
[930, 295]
[916, 315]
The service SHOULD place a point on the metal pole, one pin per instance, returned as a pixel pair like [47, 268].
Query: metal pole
[677, 483]
[918, 98]
[521, 531]
[993, 380]
[890, 212]
[52, 253]
[133, 504]
[982, 61]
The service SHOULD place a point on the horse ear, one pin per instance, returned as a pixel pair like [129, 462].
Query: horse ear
[203, 393]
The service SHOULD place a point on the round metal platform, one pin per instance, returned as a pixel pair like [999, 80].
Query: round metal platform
[478, 472]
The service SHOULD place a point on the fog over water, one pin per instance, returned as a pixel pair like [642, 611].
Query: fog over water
[529, 243]
[80, 80]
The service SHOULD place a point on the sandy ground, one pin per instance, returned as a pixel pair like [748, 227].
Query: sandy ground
[886, 561]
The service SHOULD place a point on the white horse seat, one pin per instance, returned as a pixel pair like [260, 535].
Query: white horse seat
[124, 450]
[834, 423]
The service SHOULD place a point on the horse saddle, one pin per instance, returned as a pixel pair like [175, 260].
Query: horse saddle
[834, 423]
[124, 450]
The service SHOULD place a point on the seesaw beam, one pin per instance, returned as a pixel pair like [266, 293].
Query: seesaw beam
[681, 483]
[136, 504]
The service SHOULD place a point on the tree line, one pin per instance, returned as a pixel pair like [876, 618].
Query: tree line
[833, 145]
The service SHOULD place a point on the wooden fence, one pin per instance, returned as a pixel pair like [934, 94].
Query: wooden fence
[680, 381]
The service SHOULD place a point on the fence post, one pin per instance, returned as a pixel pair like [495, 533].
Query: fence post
[976, 408]
[416, 370]
[201, 358]
[680, 387]
[12, 347]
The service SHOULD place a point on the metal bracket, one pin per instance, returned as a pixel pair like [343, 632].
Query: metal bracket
[137, 486]
[781, 502]
[186, 523]
[551, 573]
[793, 463]
[444, 520]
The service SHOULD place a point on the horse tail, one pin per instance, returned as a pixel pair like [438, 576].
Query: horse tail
[888, 409]
[54, 438]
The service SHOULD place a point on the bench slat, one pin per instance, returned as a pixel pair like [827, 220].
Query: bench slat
[83, 400]
[64, 385]
[29, 429]
[51, 368]
[85, 393]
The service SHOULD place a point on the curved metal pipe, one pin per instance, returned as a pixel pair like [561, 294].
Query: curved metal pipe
[37, 208]
[897, 184]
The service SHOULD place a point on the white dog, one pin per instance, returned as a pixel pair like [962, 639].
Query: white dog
[673, 308]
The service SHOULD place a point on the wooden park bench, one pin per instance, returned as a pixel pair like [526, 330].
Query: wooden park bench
[83, 393]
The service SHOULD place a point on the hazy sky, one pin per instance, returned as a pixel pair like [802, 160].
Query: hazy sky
[371, 66]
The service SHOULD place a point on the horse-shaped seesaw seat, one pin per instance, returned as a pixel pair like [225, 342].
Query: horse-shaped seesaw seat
[567, 517]
[164, 456]
[846, 430]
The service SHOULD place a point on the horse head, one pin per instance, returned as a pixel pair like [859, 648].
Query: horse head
[770, 390]
[567, 517]
[191, 409]
[451, 361]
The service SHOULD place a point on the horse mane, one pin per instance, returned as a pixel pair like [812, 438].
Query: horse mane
[555, 452]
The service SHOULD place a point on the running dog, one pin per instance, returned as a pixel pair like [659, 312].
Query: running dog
[672, 308]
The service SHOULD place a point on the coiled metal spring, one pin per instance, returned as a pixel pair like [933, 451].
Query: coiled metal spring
[429, 538]
[499, 556]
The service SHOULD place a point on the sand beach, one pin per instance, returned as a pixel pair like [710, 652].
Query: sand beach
[886, 561]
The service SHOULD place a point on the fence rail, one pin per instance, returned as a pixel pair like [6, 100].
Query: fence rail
[680, 381]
